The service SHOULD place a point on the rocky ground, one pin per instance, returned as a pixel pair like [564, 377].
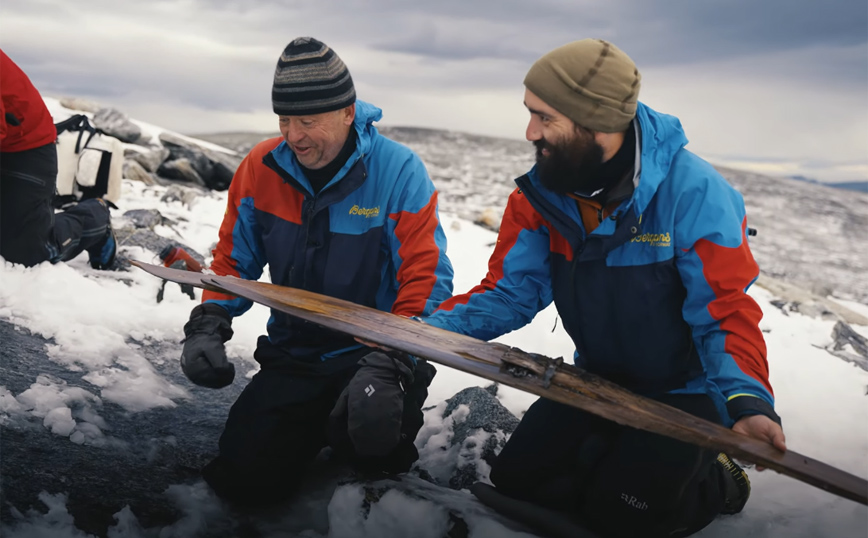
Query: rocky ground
[146, 458]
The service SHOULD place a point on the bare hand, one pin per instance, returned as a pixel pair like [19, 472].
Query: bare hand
[763, 428]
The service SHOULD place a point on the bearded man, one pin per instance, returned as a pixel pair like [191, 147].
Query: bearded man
[643, 248]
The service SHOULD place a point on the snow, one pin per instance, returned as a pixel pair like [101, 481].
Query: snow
[395, 515]
[100, 322]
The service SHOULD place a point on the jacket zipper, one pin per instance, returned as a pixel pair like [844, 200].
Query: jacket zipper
[308, 220]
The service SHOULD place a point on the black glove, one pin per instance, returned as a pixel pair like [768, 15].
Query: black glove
[203, 358]
[378, 415]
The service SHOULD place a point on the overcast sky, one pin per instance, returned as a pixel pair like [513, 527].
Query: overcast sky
[777, 85]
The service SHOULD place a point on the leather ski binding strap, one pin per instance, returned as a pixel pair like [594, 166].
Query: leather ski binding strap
[518, 363]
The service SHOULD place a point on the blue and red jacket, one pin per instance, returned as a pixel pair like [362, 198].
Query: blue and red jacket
[372, 235]
[25, 122]
[654, 298]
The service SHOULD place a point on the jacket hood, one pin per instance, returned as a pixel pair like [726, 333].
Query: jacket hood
[366, 115]
[661, 139]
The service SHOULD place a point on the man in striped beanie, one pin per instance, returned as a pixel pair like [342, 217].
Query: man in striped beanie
[332, 207]
[642, 246]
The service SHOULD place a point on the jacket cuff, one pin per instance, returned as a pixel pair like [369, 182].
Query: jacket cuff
[746, 404]
[210, 318]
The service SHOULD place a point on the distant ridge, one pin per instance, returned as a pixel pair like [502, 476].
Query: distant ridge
[243, 142]
[858, 186]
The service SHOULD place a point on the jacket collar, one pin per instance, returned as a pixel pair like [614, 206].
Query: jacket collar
[366, 115]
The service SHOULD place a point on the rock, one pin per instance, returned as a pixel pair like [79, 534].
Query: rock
[151, 160]
[489, 218]
[115, 123]
[176, 193]
[182, 170]
[781, 305]
[486, 411]
[813, 309]
[849, 345]
[791, 293]
[135, 172]
[147, 239]
[95, 482]
[486, 415]
[79, 104]
[224, 169]
[214, 167]
[144, 218]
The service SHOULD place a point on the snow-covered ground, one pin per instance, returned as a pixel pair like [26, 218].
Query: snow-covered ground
[102, 329]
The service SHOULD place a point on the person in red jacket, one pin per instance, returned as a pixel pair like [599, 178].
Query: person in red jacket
[30, 231]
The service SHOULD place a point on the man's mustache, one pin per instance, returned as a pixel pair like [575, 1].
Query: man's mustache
[540, 145]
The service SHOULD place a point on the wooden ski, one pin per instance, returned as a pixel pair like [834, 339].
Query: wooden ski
[536, 374]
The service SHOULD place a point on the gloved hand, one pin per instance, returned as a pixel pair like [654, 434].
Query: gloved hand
[378, 415]
[203, 358]
[369, 411]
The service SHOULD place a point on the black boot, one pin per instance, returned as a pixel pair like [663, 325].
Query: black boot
[102, 255]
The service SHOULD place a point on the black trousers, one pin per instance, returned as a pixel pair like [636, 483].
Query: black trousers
[616, 480]
[30, 231]
[279, 423]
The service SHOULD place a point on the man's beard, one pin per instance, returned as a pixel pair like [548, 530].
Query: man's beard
[572, 165]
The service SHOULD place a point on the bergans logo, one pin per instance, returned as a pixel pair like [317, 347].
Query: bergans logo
[654, 240]
[367, 212]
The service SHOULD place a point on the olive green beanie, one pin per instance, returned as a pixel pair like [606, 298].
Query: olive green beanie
[592, 82]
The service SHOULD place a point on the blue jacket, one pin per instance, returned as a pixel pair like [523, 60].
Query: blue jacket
[372, 235]
[654, 298]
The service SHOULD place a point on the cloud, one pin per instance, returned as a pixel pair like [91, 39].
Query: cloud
[659, 32]
[779, 79]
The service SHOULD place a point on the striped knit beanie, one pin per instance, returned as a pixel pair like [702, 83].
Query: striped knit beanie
[592, 82]
[310, 79]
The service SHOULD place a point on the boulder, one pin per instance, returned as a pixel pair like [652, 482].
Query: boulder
[135, 172]
[849, 345]
[79, 104]
[481, 435]
[144, 218]
[115, 123]
[216, 168]
[181, 170]
[150, 160]
[146, 238]
[462, 435]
